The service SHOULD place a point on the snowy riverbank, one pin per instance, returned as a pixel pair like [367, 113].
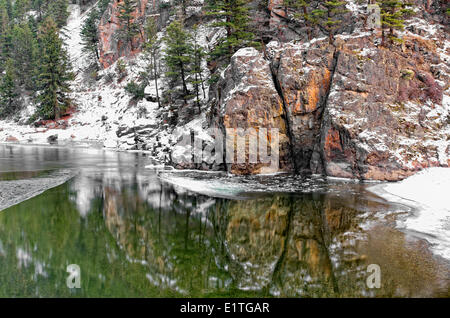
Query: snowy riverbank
[427, 193]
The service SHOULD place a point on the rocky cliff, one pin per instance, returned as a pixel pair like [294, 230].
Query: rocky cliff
[353, 109]
[112, 46]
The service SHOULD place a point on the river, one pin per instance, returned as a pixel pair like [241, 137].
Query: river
[138, 232]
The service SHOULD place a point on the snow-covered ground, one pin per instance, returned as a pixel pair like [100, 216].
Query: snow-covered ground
[103, 107]
[428, 195]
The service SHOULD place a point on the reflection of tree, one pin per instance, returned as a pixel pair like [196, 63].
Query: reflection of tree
[173, 242]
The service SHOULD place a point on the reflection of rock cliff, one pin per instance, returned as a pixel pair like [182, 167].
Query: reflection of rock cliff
[173, 242]
[283, 246]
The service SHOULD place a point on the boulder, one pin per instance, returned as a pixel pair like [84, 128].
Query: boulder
[52, 139]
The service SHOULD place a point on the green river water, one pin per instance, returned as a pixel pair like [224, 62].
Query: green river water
[134, 235]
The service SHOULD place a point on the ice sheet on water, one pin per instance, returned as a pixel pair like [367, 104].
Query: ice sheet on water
[220, 184]
[427, 193]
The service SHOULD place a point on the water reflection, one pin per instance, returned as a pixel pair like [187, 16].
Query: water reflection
[134, 236]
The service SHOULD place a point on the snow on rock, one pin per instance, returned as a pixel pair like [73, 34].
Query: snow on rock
[427, 193]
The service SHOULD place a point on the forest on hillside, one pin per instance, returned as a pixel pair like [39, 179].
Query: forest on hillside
[35, 66]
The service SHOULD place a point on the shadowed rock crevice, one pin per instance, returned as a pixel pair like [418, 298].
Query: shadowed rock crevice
[276, 82]
[303, 77]
[317, 159]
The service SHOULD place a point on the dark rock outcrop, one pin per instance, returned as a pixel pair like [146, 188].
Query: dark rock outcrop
[52, 139]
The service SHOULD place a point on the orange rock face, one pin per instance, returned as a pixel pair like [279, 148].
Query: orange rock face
[112, 47]
[372, 114]
[304, 78]
[249, 100]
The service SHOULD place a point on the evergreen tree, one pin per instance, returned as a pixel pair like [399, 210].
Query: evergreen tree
[20, 8]
[198, 54]
[89, 33]
[24, 51]
[5, 35]
[8, 90]
[57, 9]
[328, 18]
[233, 16]
[151, 51]
[54, 73]
[178, 54]
[393, 14]
[9, 8]
[300, 8]
[33, 25]
[131, 28]
[103, 5]
[41, 7]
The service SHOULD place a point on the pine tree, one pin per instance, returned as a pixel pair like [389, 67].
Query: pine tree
[40, 6]
[20, 8]
[89, 33]
[198, 54]
[54, 73]
[178, 54]
[57, 9]
[103, 5]
[328, 18]
[393, 14]
[300, 8]
[233, 16]
[8, 90]
[24, 52]
[151, 50]
[9, 8]
[303, 6]
[131, 28]
[5, 35]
